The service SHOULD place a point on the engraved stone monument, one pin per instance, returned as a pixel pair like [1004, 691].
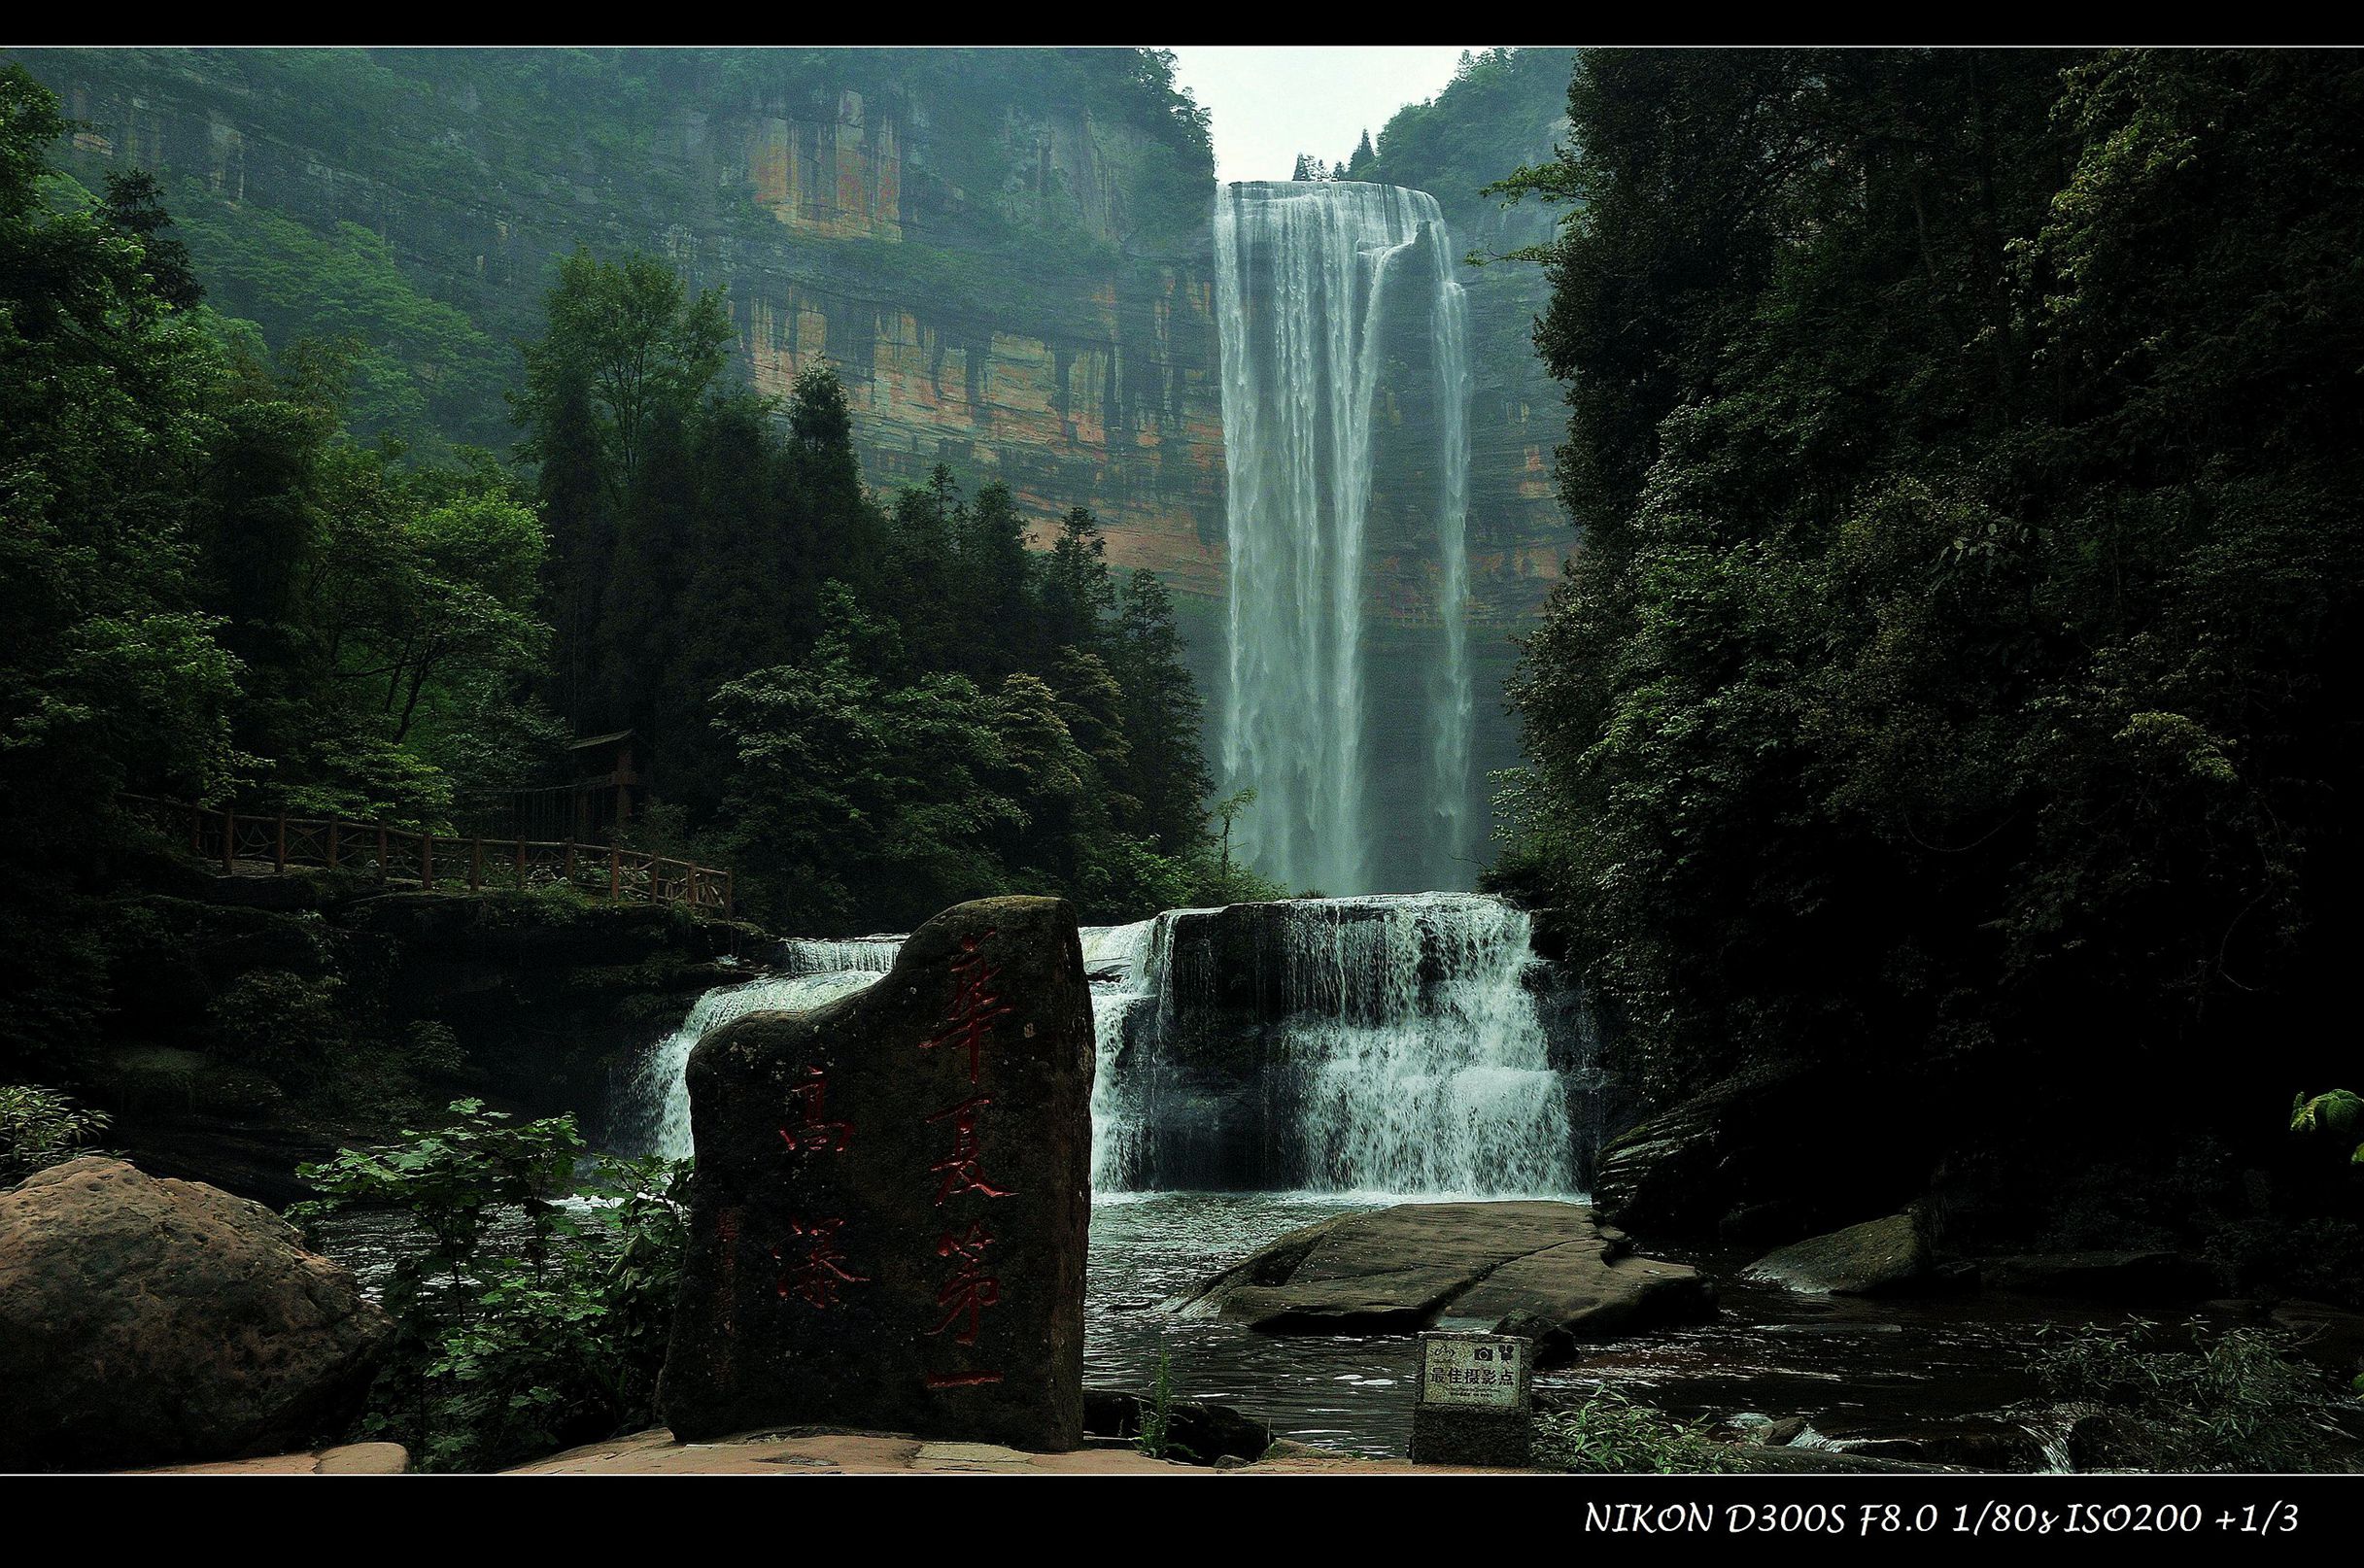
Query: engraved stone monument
[891, 1200]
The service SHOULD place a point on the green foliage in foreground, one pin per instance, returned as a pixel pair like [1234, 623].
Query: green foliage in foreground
[2336, 1116]
[536, 1312]
[1609, 1433]
[40, 1127]
[1156, 1439]
[2235, 1400]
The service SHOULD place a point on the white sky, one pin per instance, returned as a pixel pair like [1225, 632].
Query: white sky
[1271, 102]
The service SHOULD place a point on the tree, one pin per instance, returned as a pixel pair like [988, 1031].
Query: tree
[111, 676]
[627, 359]
[134, 207]
[1942, 687]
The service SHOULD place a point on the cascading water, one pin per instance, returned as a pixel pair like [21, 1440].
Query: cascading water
[1312, 278]
[1394, 1043]
[1387, 1043]
[654, 1114]
[1422, 1061]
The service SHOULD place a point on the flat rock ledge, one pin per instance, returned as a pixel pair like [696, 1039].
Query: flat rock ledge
[1543, 1269]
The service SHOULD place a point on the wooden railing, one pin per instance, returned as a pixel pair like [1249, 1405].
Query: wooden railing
[253, 845]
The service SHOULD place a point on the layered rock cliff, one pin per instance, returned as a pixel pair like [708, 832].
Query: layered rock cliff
[1004, 252]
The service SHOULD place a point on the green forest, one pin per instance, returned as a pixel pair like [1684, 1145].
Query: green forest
[867, 707]
[1945, 703]
[1899, 1006]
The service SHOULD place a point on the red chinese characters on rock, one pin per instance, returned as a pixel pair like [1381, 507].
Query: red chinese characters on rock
[813, 1268]
[963, 1169]
[971, 1290]
[811, 1132]
[976, 1005]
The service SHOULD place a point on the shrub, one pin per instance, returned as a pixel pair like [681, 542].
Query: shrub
[279, 1022]
[40, 1127]
[537, 1312]
[2235, 1400]
[1607, 1433]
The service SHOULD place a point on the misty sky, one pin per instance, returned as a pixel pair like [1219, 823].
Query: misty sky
[1272, 103]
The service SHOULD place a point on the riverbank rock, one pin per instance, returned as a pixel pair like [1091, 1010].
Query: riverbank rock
[2122, 1276]
[2331, 1337]
[1763, 1159]
[1880, 1256]
[147, 1322]
[887, 1224]
[1200, 1433]
[1541, 1270]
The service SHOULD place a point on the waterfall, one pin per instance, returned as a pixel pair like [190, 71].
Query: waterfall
[655, 1109]
[1407, 1043]
[1421, 1060]
[1311, 279]
[1132, 998]
[1395, 1043]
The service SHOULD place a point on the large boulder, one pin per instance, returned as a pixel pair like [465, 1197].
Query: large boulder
[1878, 1257]
[1765, 1158]
[2123, 1276]
[1538, 1269]
[147, 1322]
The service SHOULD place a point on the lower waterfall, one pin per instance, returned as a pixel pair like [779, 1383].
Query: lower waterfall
[1401, 1044]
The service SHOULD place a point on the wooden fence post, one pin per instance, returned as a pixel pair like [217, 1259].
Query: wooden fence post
[615, 873]
[280, 854]
[477, 865]
[730, 904]
[571, 863]
[427, 860]
[385, 868]
[229, 841]
[336, 832]
[521, 865]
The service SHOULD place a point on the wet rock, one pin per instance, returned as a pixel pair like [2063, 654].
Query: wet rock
[1783, 1432]
[888, 1218]
[147, 1322]
[1763, 1159]
[1539, 1269]
[2125, 1277]
[1880, 1256]
[1201, 1433]
[2331, 1337]
[1973, 1445]
[2104, 1440]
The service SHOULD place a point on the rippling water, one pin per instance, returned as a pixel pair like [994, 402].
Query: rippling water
[1857, 1369]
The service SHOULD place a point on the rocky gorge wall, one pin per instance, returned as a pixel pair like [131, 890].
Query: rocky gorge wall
[1005, 254]
[1001, 255]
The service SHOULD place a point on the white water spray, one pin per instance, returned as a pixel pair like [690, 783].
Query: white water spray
[1306, 276]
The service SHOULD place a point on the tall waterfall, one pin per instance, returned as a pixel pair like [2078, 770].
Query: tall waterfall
[1322, 288]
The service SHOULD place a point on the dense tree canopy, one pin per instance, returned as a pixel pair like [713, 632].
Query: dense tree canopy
[1966, 449]
[228, 584]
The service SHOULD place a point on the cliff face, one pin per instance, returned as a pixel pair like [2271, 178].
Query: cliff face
[1005, 254]
[1002, 252]
[1504, 109]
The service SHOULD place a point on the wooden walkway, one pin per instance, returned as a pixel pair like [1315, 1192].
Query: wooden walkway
[256, 845]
